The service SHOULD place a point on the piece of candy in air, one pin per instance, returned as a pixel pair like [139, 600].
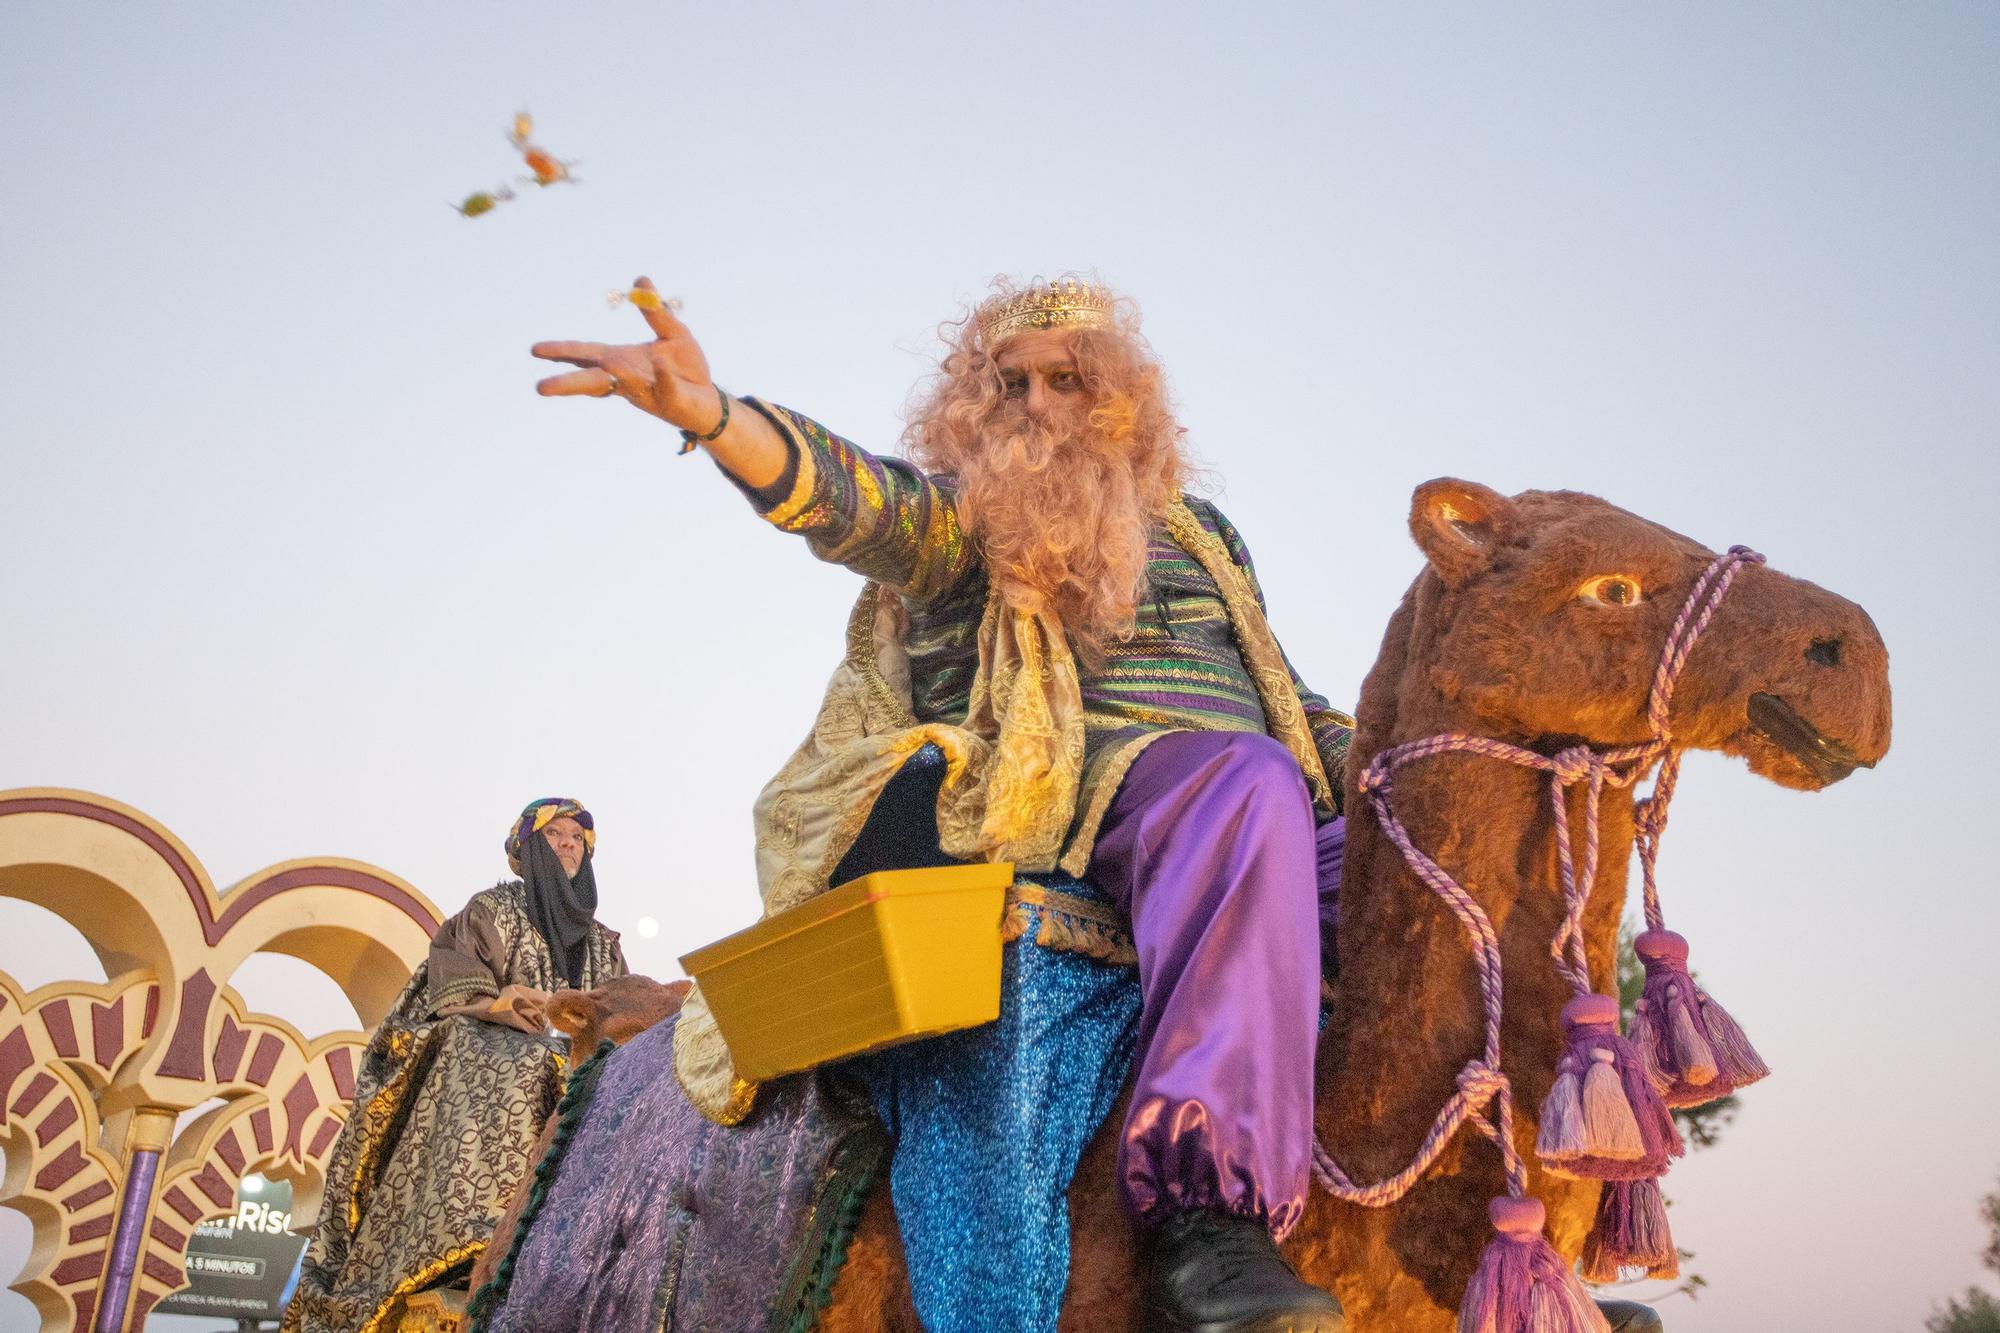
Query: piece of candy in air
[548, 169]
[483, 201]
[645, 298]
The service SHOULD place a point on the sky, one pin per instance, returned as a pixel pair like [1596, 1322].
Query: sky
[297, 563]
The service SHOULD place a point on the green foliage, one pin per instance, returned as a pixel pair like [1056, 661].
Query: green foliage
[1989, 1211]
[1690, 1284]
[1975, 1312]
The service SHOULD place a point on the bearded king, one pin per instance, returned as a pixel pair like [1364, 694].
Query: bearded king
[1085, 644]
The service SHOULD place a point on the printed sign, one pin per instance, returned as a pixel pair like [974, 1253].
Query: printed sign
[243, 1267]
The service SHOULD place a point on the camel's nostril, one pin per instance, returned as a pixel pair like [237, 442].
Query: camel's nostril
[1826, 652]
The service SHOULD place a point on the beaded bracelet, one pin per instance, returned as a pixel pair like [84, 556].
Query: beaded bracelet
[689, 439]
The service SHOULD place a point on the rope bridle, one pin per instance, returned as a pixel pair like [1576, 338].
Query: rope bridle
[1483, 1096]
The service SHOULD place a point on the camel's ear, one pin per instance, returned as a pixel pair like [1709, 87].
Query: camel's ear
[1460, 525]
[572, 1011]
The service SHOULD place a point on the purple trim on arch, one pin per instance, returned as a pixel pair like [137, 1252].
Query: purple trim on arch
[234, 905]
[125, 1250]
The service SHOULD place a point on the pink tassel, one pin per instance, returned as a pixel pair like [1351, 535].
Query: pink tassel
[1693, 1049]
[1522, 1285]
[1561, 1132]
[1630, 1238]
[1603, 1119]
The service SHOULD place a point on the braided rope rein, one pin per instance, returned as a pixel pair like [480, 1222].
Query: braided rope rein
[1484, 1096]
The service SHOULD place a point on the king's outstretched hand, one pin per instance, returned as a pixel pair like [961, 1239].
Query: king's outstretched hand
[669, 379]
[667, 376]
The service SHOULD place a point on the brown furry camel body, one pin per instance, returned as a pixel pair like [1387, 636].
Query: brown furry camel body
[1539, 621]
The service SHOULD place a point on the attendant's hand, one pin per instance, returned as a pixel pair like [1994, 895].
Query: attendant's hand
[523, 1008]
[667, 377]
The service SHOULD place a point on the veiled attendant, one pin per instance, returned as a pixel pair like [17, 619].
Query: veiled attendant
[456, 1084]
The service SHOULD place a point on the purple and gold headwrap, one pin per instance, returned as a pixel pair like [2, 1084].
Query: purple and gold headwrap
[539, 815]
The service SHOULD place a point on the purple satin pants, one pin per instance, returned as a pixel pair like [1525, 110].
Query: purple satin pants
[1211, 849]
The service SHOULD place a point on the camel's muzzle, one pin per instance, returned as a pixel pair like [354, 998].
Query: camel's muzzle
[1776, 721]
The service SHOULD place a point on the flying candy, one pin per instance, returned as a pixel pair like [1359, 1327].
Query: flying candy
[483, 201]
[548, 170]
[642, 297]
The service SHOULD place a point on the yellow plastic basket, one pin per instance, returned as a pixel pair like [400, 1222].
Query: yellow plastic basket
[888, 958]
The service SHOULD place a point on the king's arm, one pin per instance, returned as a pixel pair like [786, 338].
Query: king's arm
[1332, 730]
[880, 517]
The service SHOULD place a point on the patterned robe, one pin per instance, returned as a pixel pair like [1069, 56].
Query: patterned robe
[1182, 668]
[445, 1115]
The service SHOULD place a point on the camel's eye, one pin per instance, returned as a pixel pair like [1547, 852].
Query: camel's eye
[1611, 590]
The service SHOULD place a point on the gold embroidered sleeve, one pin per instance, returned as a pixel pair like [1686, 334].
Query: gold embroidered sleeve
[880, 517]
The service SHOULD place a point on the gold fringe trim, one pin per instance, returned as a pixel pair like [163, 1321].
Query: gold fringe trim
[1069, 924]
[1015, 921]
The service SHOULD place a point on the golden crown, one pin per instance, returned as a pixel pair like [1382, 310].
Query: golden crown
[1067, 303]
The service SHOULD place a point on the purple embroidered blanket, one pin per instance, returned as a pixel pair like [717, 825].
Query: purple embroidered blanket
[648, 1217]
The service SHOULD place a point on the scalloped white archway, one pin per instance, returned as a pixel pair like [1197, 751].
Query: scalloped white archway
[93, 1075]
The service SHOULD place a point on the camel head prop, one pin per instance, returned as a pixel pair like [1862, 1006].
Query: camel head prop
[1539, 627]
[1543, 617]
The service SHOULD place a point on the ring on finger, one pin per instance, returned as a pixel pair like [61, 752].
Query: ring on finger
[614, 388]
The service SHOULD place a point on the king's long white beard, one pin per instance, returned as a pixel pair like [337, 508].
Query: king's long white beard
[1060, 522]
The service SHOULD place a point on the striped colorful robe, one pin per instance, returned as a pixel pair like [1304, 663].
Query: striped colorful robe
[1180, 670]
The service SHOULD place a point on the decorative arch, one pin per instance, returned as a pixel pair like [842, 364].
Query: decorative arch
[85, 1064]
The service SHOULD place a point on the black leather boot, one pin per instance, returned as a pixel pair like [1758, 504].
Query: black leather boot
[1213, 1273]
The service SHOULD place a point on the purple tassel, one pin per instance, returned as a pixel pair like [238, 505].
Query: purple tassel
[1603, 1119]
[1693, 1049]
[1522, 1285]
[1630, 1238]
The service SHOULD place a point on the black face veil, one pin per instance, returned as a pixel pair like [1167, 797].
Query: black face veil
[561, 905]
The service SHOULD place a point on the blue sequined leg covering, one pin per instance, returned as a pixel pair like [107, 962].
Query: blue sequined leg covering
[989, 1125]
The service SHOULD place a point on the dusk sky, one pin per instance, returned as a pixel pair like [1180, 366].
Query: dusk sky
[298, 563]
